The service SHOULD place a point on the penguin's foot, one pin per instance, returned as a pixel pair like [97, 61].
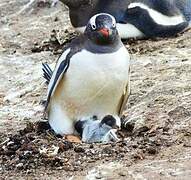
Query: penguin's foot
[73, 138]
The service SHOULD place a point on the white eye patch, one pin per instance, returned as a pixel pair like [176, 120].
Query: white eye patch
[93, 20]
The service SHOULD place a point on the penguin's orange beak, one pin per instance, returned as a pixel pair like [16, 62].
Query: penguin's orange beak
[104, 32]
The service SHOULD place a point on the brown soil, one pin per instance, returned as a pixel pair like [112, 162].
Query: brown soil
[159, 108]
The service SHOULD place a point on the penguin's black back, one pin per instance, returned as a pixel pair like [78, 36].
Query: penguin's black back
[139, 17]
[167, 7]
[80, 16]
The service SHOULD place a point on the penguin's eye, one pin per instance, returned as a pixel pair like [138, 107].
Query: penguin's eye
[114, 25]
[93, 26]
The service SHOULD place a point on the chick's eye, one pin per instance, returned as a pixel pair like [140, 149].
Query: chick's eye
[93, 27]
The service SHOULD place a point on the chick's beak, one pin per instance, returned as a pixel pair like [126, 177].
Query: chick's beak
[105, 32]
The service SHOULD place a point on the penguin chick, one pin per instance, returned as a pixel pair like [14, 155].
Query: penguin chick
[95, 131]
[91, 77]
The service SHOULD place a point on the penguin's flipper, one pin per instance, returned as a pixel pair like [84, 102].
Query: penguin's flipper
[124, 97]
[63, 65]
[47, 72]
[57, 75]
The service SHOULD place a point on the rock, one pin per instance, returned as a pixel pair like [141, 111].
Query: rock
[55, 151]
[19, 166]
[107, 150]
[43, 150]
[99, 175]
[122, 173]
[42, 126]
[79, 149]
[64, 146]
[152, 150]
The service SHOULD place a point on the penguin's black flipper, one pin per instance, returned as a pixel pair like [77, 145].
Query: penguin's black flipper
[75, 46]
[61, 70]
[47, 72]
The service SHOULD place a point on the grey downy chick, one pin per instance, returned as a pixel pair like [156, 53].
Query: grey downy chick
[96, 131]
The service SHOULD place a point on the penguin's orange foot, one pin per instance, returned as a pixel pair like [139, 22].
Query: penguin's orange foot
[72, 138]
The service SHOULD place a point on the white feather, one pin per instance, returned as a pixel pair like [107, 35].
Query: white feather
[128, 31]
[80, 29]
[158, 17]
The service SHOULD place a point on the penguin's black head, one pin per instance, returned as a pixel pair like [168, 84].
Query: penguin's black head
[110, 121]
[101, 29]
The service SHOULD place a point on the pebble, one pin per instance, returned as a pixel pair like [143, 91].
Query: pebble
[19, 166]
[151, 150]
[79, 149]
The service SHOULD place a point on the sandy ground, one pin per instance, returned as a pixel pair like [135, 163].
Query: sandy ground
[160, 99]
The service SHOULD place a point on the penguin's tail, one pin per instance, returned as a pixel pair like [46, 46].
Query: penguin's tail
[47, 72]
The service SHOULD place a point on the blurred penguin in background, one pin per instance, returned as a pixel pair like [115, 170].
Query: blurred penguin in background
[135, 18]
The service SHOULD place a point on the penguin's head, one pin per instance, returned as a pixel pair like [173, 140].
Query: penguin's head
[101, 29]
[109, 121]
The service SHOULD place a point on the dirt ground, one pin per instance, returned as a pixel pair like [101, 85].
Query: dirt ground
[159, 146]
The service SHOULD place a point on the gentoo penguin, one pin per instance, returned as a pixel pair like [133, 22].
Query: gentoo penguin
[91, 77]
[135, 18]
[91, 130]
[94, 131]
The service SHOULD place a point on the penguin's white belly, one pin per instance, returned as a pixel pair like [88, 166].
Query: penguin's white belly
[93, 85]
[129, 31]
[125, 31]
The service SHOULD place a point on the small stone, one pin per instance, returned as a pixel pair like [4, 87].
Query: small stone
[99, 176]
[42, 126]
[135, 145]
[91, 146]
[55, 151]
[19, 166]
[56, 19]
[79, 150]
[64, 146]
[122, 173]
[43, 150]
[9, 153]
[107, 150]
[151, 150]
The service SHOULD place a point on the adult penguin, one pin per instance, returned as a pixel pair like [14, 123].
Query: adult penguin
[135, 18]
[91, 78]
